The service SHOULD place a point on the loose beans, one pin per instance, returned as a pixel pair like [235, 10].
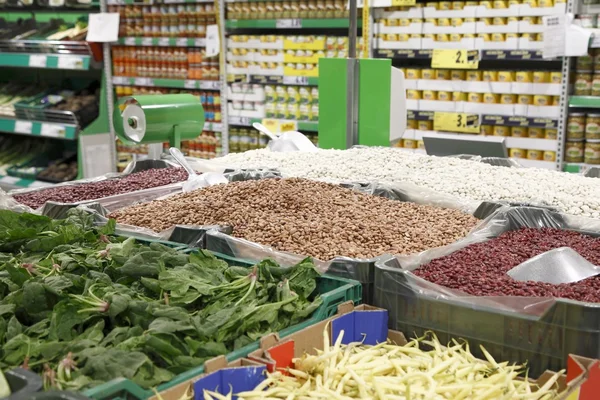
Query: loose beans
[95, 190]
[480, 269]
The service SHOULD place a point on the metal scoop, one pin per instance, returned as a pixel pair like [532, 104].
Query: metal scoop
[287, 141]
[195, 181]
[562, 265]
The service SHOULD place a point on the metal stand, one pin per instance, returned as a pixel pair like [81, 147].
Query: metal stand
[352, 77]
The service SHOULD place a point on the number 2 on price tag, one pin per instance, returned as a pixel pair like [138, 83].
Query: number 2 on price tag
[456, 122]
[455, 59]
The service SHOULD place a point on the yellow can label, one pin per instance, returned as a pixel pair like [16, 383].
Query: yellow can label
[506, 76]
[403, 37]
[475, 97]
[541, 77]
[485, 36]
[498, 21]
[470, 19]
[433, 4]
[457, 75]
[425, 125]
[458, 5]
[490, 76]
[486, 4]
[413, 94]
[456, 22]
[551, 134]
[508, 99]
[429, 36]
[429, 95]
[549, 156]
[409, 143]
[411, 124]
[443, 96]
[531, 3]
[500, 130]
[513, 19]
[487, 21]
[428, 73]
[442, 37]
[536, 133]
[442, 74]
[519, 131]
[555, 77]
[498, 37]
[535, 154]
[539, 37]
[500, 4]
[487, 130]
[469, 35]
[420, 144]
[530, 36]
[459, 96]
[430, 21]
[443, 22]
[546, 3]
[540, 100]
[518, 153]
[404, 22]
[524, 76]
[512, 35]
[413, 73]
[455, 37]
[555, 100]
[445, 5]
[491, 98]
[474, 76]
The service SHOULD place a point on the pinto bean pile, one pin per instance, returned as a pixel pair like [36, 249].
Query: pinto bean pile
[480, 269]
[307, 217]
[95, 190]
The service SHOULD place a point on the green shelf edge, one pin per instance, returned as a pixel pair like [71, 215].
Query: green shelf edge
[8, 126]
[305, 23]
[138, 41]
[584, 101]
[22, 60]
[160, 82]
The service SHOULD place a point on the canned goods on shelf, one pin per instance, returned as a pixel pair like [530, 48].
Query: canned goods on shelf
[444, 5]
[555, 100]
[409, 143]
[535, 154]
[500, 4]
[459, 96]
[524, 76]
[541, 77]
[517, 153]
[455, 22]
[457, 75]
[591, 154]
[585, 62]
[596, 84]
[420, 144]
[551, 133]
[458, 5]
[428, 73]
[487, 130]
[545, 3]
[443, 22]
[519, 131]
[413, 94]
[442, 74]
[474, 76]
[411, 124]
[555, 77]
[574, 151]
[500, 130]
[508, 98]
[536, 133]
[499, 21]
[498, 37]
[541, 100]
[506, 76]
[575, 126]
[429, 95]
[549, 156]
[491, 98]
[490, 76]
[592, 127]
[456, 37]
[583, 83]
[413, 73]
[425, 125]
[525, 99]
[444, 96]
[442, 37]
[474, 97]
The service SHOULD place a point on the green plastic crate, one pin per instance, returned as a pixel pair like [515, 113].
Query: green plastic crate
[333, 290]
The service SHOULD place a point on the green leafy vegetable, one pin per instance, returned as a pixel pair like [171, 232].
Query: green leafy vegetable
[81, 306]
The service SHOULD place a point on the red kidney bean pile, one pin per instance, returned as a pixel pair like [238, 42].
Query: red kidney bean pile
[480, 269]
[95, 190]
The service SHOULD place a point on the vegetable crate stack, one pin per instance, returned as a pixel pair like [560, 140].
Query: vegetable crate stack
[354, 355]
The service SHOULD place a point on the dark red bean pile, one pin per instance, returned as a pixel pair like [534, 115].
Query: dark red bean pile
[96, 190]
[480, 269]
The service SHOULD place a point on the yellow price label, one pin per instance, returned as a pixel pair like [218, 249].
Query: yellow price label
[456, 122]
[455, 59]
[272, 124]
[287, 126]
[400, 3]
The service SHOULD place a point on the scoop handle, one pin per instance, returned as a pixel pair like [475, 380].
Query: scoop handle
[263, 129]
[178, 156]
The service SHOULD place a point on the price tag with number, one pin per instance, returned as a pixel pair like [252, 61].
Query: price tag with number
[53, 130]
[38, 60]
[271, 124]
[189, 84]
[199, 42]
[147, 41]
[143, 82]
[23, 126]
[288, 23]
[287, 126]
[456, 122]
[130, 41]
[70, 62]
[239, 121]
[163, 41]
[295, 80]
[455, 59]
[181, 42]
[401, 3]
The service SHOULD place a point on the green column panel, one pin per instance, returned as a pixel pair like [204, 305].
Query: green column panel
[332, 103]
[374, 90]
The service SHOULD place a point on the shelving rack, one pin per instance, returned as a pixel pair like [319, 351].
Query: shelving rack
[49, 61]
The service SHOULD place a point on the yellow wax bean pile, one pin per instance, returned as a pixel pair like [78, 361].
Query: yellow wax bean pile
[391, 372]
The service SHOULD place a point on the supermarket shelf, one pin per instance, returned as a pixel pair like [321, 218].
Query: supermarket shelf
[162, 41]
[578, 167]
[213, 126]
[283, 80]
[11, 182]
[170, 83]
[536, 163]
[35, 128]
[584, 101]
[515, 55]
[288, 23]
[503, 120]
[150, 2]
[309, 126]
[52, 61]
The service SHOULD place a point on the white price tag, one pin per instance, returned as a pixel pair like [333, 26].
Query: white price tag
[163, 41]
[120, 80]
[39, 184]
[181, 42]
[38, 60]
[288, 23]
[188, 84]
[9, 179]
[147, 41]
[295, 80]
[23, 126]
[130, 41]
[217, 127]
[239, 121]
[212, 40]
[53, 130]
[210, 85]
[70, 62]
[200, 42]
[143, 82]
[103, 27]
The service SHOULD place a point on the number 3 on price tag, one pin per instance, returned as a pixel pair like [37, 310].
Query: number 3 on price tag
[456, 122]
[455, 59]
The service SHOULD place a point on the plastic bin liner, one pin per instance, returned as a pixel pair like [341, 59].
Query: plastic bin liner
[361, 270]
[111, 203]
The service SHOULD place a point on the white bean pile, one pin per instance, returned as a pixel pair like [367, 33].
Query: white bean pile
[572, 194]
